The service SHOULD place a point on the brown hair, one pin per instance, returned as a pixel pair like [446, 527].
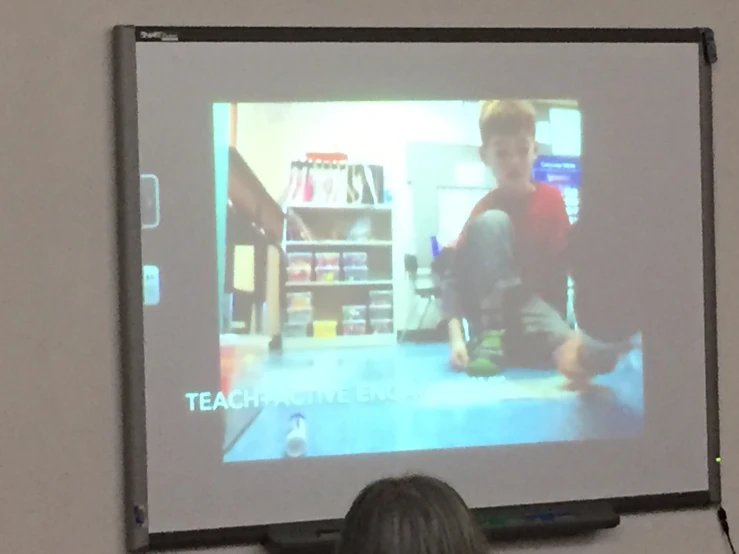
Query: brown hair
[506, 117]
[413, 514]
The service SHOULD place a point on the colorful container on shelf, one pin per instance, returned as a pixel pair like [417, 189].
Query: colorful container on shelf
[328, 274]
[325, 329]
[354, 313]
[381, 311]
[381, 326]
[295, 330]
[354, 259]
[380, 297]
[299, 300]
[300, 316]
[356, 273]
[299, 267]
[354, 327]
[327, 259]
[300, 259]
[298, 274]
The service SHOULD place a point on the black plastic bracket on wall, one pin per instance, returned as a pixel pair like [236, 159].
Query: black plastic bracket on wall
[708, 40]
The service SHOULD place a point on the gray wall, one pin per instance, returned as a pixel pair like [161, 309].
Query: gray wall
[60, 454]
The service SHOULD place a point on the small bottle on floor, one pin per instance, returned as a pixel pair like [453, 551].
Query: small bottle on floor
[296, 441]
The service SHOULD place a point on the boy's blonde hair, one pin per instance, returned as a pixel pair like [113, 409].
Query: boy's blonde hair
[506, 117]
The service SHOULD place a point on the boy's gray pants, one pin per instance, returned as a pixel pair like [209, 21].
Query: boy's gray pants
[484, 284]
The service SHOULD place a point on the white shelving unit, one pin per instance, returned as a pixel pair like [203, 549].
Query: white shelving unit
[331, 229]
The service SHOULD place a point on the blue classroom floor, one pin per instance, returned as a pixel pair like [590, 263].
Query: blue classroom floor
[405, 397]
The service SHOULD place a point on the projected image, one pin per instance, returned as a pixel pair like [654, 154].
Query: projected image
[396, 276]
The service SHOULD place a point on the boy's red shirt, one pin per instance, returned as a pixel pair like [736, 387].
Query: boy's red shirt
[540, 228]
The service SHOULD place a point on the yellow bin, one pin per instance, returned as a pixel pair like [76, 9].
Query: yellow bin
[325, 329]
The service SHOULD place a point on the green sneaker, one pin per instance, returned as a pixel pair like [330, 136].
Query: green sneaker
[486, 354]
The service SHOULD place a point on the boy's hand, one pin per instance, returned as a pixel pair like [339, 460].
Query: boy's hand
[567, 359]
[458, 356]
[567, 356]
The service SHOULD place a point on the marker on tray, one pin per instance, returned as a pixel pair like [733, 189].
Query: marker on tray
[296, 441]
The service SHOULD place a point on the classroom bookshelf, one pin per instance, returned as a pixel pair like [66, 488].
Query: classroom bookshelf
[339, 282]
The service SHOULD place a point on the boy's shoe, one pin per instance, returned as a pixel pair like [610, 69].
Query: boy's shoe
[486, 354]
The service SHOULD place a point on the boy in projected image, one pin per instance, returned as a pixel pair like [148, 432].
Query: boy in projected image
[506, 275]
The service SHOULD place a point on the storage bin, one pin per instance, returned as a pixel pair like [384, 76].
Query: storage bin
[325, 329]
[327, 259]
[354, 328]
[349, 259]
[328, 273]
[297, 300]
[299, 259]
[381, 297]
[356, 273]
[356, 313]
[302, 316]
[294, 330]
[298, 274]
[382, 311]
[381, 326]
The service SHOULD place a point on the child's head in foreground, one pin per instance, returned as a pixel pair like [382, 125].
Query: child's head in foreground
[412, 514]
[508, 146]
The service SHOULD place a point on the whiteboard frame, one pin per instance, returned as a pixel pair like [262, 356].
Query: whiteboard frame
[129, 238]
